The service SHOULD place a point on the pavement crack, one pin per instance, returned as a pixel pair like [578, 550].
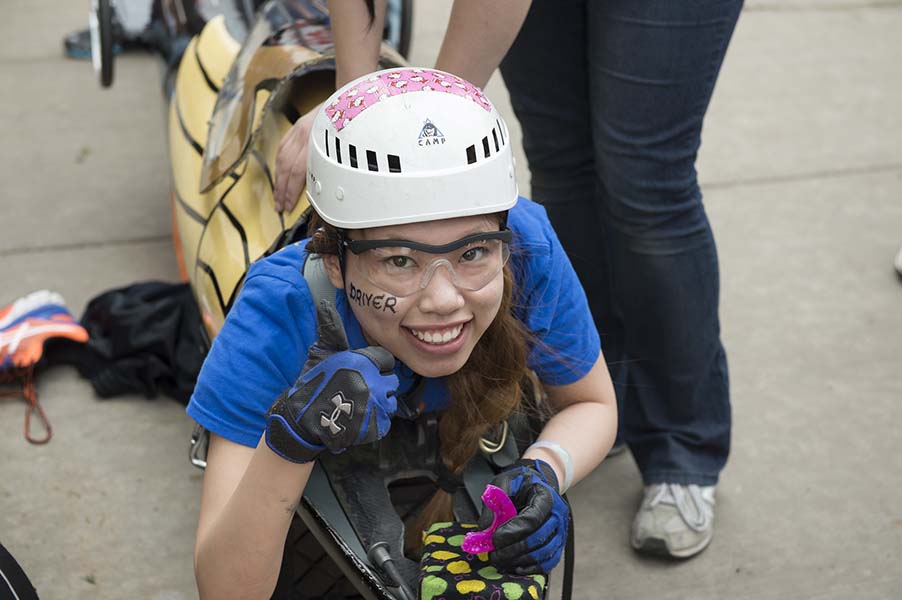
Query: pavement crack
[810, 7]
[797, 177]
[88, 245]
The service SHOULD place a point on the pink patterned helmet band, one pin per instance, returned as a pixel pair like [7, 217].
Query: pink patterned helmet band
[373, 90]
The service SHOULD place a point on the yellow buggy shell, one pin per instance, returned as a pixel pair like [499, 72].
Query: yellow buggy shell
[222, 200]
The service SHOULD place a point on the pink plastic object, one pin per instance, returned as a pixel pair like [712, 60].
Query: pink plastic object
[501, 505]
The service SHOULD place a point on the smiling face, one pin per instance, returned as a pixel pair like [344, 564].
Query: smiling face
[433, 331]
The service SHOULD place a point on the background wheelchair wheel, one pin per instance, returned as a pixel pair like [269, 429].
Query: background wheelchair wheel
[308, 572]
[101, 27]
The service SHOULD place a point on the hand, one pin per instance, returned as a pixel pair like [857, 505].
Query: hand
[533, 541]
[291, 163]
[342, 398]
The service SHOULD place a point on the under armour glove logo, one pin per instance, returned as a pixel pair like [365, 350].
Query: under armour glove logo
[342, 398]
[331, 420]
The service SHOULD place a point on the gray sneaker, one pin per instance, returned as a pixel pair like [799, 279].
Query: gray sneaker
[674, 520]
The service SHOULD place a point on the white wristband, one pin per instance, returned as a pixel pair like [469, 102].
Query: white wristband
[563, 455]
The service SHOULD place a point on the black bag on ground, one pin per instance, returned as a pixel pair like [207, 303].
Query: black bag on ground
[145, 338]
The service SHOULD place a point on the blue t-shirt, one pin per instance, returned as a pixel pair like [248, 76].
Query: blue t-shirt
[263, 343]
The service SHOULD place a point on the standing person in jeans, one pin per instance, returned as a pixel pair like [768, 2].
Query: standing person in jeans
[611, 95]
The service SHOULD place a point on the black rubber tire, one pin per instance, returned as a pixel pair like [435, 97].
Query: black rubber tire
[308, 572]
[105, 31]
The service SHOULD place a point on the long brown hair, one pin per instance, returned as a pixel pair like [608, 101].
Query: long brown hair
[484, 392]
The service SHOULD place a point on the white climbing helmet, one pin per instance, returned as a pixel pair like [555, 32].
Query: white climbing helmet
[408, 145]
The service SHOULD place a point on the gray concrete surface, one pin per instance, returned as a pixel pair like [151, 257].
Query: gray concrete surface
[802, 168]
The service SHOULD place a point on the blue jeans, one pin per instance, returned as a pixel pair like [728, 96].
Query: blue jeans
[611, 95]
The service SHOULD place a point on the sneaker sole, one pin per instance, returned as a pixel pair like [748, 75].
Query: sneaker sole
[658, 547]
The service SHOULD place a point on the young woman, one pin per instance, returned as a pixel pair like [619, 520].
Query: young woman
[440, 271]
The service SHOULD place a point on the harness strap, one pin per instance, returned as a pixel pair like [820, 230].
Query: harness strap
[446, 479]
[314, 272]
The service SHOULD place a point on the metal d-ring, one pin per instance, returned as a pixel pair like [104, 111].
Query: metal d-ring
[490, 447]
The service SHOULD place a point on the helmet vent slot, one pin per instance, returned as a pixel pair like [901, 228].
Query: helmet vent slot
[352, 151]
[471, 155]
[338, 150]
[485, 146]
[327, 142]
[500, 130]
[371, 162]
[394, 163]
[495, 137]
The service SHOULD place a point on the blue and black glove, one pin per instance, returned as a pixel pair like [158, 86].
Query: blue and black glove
[342, 398]
[533, 541]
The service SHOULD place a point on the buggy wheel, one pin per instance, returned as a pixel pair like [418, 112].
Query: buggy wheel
[308, 572]
[101, 27]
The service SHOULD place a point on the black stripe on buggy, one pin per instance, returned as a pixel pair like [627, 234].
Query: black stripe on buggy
[203, 71]
[240, 228]
[209, 271]
[188, 210]
[224, 306]
[194, 143]
[264, 167]
[234, 294]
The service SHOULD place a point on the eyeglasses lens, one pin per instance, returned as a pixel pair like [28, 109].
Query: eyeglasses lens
[404, 271]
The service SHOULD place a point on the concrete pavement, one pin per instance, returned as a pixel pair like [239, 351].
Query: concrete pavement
[802, 171]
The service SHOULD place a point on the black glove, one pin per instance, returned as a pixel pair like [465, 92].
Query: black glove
[533, 541]
[342, 398]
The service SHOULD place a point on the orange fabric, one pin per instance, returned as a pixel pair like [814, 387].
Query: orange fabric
[38, 317]
[28, 349]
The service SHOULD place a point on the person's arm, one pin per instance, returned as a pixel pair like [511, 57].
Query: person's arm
[357, 38]
[357, 43]
[584, 423]
[250, 494]
[249, 497]
[479, 34]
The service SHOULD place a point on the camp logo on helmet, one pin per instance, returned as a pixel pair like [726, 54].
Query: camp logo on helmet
[430, 135]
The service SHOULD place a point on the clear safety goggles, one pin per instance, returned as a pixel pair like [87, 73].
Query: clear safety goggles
[403, 268]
